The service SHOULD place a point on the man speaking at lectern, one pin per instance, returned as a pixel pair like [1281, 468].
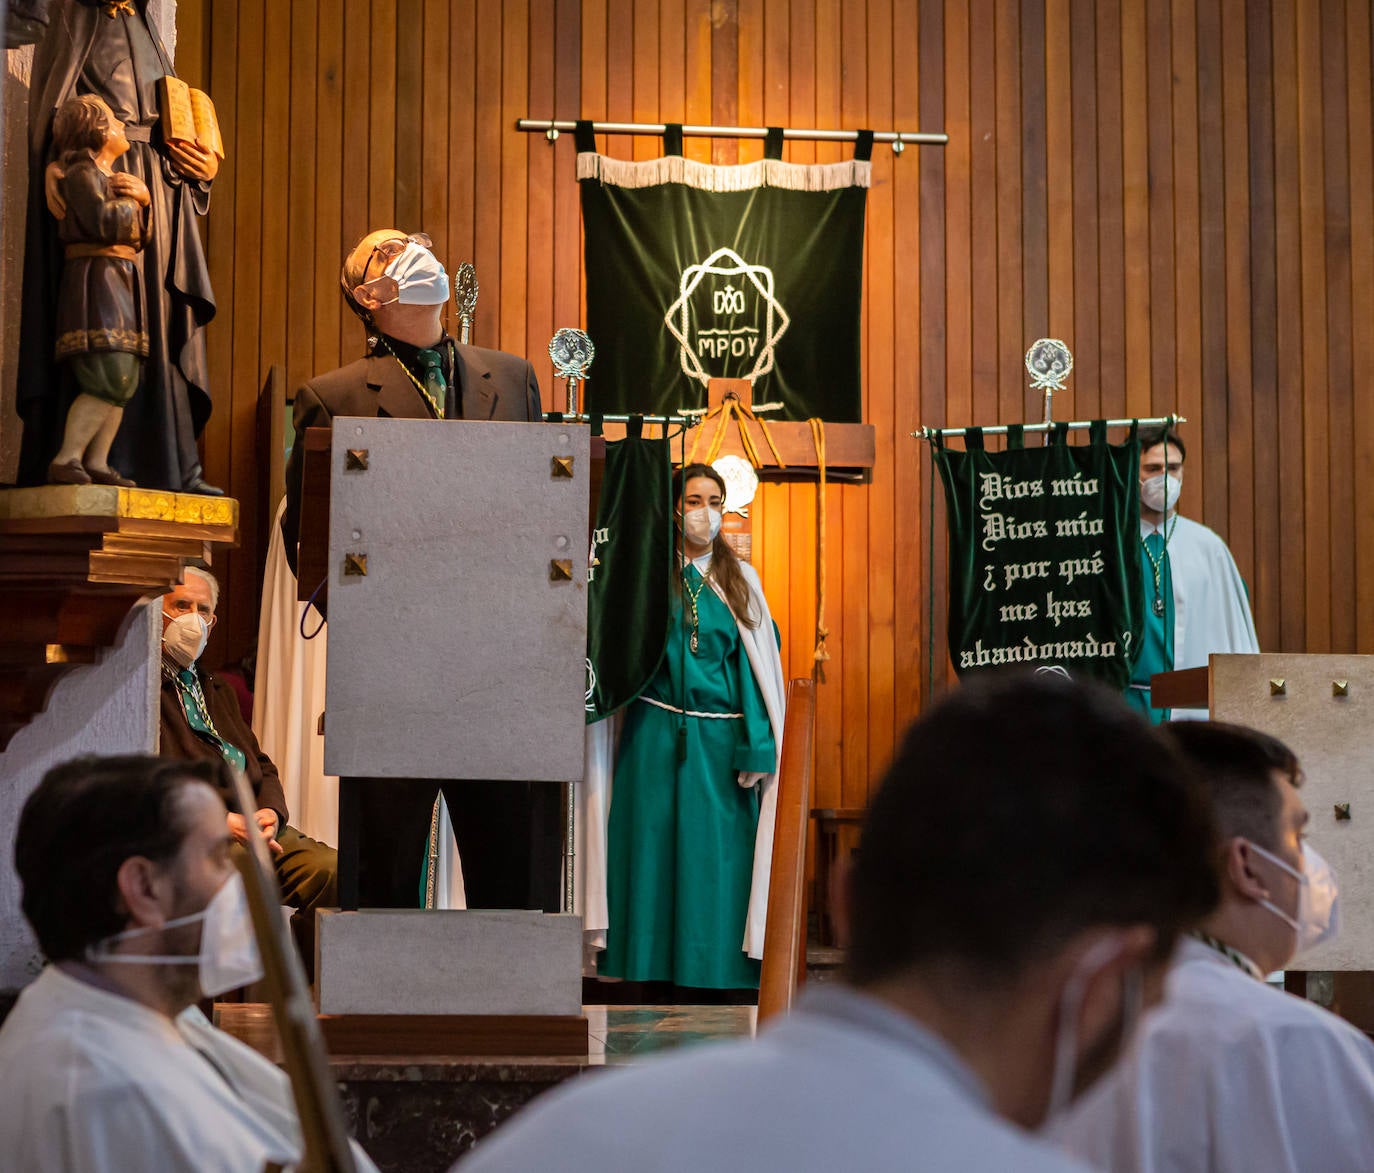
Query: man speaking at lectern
[414, 369]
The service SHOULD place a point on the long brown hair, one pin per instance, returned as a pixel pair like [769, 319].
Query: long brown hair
[725, 567]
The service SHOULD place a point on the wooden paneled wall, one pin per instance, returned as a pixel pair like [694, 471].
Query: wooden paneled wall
[1181, 190]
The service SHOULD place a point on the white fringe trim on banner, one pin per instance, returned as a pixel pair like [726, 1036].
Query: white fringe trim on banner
[709, 177]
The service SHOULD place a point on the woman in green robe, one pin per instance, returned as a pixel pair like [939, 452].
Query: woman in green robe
[684, 803]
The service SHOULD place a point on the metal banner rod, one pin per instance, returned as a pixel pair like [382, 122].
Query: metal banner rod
[1073, 426]
[582, 418]
[554, 127]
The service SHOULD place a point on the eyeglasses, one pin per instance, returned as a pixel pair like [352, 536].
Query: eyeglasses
[385, 289]
[393, 246]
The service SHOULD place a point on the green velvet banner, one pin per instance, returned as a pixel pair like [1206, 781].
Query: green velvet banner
[629, 578]
[697, 272]
[1043, 561]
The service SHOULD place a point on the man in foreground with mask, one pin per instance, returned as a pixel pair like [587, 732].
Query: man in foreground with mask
[106, 1064]
[1195, 600]
[414, 369]
[1024, 870]
[201, 721]
[1232, 1075]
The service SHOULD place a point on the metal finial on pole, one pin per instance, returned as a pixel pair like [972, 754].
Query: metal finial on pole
[465, 296]
[572, 353]
[1049, 362]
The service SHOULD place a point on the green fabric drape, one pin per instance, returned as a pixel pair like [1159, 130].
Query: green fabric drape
[686, 284]
[628, 582]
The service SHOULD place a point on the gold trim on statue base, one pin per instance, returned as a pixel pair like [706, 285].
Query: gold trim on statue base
[55, 501]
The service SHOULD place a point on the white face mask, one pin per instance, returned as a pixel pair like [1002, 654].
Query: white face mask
[1318, 913]
[228, 956]
[186, 637]
[419, 276]
[1064, 1081]
[702, 525]
[1160, 493]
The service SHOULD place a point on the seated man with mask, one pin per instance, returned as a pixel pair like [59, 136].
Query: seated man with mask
[201, 721]
[106, 1064]
[1232, 1075]
[1024, 870]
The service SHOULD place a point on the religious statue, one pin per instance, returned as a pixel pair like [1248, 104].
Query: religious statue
[109, 49]
[25, 22]
[102, 331]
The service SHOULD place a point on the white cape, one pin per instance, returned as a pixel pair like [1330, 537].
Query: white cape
[594, 794]
[1211, 609]
[288, 701]
[1231, 1076]
[94, 1082]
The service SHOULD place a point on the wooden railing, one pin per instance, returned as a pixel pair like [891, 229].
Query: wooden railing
[784, 944]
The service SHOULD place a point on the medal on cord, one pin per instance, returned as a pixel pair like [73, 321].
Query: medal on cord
[1157, 565]
[693, 595]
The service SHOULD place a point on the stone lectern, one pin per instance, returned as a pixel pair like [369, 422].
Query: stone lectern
[457, 574]
[457, 600]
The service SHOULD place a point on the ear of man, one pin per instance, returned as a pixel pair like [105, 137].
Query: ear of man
[367, 299]
[1101, 1006]
[1238, 864]
[145, 890]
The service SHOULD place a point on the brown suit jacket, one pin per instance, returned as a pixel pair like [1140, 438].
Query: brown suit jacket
[495, 386]
[180, 741]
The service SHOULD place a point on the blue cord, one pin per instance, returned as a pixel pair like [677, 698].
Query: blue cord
[310, 602]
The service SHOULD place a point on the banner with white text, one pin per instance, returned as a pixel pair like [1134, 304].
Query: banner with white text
[1044, 569]
[697, 272]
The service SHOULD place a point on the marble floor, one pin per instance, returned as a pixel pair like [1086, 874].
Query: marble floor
[623, 1034]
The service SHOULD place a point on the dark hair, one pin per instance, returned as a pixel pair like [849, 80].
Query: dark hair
[1021, 810]
[725, 567]
[1160, 434]
[85, 818]
[1236, 766]
[79, 127]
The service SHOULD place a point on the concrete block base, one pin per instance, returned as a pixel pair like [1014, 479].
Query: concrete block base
[474, 962]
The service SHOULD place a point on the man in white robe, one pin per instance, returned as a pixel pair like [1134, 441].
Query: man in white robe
[1195, 599]
[982, 993]
[1231, 1075]
[106, 1064]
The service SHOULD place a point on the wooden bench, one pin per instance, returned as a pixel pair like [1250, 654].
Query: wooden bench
[829, 822]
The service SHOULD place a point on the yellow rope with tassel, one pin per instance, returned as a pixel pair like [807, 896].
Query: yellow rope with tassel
[730, 408]
[821, 654]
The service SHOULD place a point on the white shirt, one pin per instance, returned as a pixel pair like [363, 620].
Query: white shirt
[843, 1083]
[1232, 1076]
[93, 1082]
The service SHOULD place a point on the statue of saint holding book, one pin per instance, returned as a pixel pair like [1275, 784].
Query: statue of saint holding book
[110, 50]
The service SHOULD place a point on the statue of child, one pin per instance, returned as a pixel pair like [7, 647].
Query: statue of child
[102, 328]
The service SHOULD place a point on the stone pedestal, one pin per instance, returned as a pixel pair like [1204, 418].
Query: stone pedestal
[476, 962]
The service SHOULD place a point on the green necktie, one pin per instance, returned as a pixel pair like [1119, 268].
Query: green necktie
[436, 386]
